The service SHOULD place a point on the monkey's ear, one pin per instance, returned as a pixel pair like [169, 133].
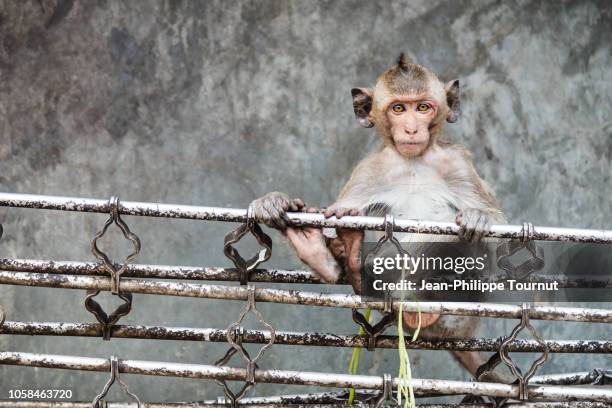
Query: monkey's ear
[362, 105]
[452, 99]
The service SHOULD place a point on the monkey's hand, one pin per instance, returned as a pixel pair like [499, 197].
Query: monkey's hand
[310, 246]
[271, 209]
[473, 223]
[346, 247]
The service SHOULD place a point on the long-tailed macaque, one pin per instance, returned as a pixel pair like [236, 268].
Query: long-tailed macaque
[412, 175]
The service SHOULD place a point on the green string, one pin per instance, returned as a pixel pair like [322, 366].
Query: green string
[404, 386]
[354, 364]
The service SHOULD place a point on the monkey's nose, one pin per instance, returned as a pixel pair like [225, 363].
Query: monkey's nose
[411, 131]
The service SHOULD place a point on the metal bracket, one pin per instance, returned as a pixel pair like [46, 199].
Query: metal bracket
[234, 337]
[108, 265]
[115, 273]
[230, 396]
[507, 249]
[245, 266]
[108, 321]
[503, 353]
[373, 331]
[114, 372]
[387, 392]
[389, 226]
[238, 345]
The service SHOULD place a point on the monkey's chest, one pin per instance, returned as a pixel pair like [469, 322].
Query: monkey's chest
[421, 194]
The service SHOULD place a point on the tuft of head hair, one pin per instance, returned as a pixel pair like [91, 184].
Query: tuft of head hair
[403, 62]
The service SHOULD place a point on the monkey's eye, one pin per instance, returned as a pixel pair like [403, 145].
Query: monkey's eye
[423, 107]
[398, 108]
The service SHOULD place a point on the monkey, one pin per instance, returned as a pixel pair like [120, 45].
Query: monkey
[413, 174]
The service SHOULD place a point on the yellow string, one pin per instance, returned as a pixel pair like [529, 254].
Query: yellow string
[354, 364]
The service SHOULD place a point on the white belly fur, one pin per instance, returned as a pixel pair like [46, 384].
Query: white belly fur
[403, 190]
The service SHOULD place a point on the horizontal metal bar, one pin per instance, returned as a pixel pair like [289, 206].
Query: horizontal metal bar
[295, 297]
[296, 219]
[208, 404]
[231, 274]
[428, 386]
[598, 376]
[296, 338]
[325, 401]
[159, 271]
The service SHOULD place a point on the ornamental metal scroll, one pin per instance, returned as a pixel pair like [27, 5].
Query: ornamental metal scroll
[234, 338]
[503, 352]
[386, 395]
[503, 356]
[245, 266]
[506, 250]
[114, 372]
[373, 331]
[233, 397]
[388, 319]
[115, 273]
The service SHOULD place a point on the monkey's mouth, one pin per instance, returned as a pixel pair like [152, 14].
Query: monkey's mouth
[410, 148]
[400, 144]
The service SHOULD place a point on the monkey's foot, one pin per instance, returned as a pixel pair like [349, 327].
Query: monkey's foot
[427, 319]
[271, 209]
[473, 223]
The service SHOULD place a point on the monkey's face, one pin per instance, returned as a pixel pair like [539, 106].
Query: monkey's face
[409, 119]
[408, 105]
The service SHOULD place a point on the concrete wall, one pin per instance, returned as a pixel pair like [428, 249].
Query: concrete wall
[213, 103]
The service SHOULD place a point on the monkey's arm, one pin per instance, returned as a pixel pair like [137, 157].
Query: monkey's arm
[455, 165]
[310, 246]
[328, 258]
[477, 207]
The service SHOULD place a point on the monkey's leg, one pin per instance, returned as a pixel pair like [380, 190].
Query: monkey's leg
[448, 326]
[346, 247]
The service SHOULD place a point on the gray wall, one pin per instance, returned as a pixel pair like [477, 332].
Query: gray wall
[215, 103]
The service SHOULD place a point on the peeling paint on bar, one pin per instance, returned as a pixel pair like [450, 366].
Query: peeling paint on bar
[296, 338]
[159, 271]
[295, 297]
[428, 386]
[297, 219]
[321, 400]
[229, 274]
[597, 376]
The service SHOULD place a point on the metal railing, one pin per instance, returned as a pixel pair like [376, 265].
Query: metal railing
[125, 278]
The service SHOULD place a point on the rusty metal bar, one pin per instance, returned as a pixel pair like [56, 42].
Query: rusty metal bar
[229, 274]
[297, 219]
[327, 401]
[297, 338]
[597, 376]
[428, 386]
[158, 271]
[302, 403]
[302, 298]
